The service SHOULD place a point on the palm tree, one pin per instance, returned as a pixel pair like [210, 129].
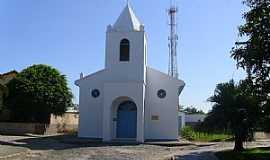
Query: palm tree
[236, 109]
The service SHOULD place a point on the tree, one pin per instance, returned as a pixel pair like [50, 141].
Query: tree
[235, 109]
[192, 110]
[36, 92]
[3, 93]
[253, 55]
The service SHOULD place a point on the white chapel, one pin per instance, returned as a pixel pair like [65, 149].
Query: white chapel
[127, 100]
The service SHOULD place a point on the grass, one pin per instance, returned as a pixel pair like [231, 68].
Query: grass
[192, 135]
[249, 154]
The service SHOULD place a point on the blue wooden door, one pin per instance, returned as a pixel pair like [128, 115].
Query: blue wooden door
[127, 120]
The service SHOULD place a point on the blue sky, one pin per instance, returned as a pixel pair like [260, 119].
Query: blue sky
[70, 36]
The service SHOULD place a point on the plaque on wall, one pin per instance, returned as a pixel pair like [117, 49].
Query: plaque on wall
[155, 118]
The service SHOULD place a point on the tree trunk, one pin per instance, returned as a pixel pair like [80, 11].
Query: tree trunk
[238, 144]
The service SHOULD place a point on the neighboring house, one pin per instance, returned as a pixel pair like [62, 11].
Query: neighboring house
[128, 100]
[181, 120]
[4, 79]
[194, 119]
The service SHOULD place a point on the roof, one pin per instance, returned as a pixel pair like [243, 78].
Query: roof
[167, 76]
[127, 21]
[8, 73]
[77, 82]
[181, 84]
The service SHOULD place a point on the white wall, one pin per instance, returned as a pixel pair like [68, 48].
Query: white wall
[191, 118]
[128, 79]
[90, 119]
[134, 69]
[115, 91]
[166, 109]
[181, 120]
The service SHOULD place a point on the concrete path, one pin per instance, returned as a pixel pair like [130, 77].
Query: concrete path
[73, 148]
[208, 152]
[11, 151]
[198, 156]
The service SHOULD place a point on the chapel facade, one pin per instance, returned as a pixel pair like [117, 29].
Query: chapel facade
[127, 100]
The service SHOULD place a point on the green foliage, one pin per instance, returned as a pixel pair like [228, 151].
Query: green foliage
[36, 92]
[3, 93]
[194, 135]
[234, 109]
[253, 55]
[187, 132]
[192, 110]
[249, 154]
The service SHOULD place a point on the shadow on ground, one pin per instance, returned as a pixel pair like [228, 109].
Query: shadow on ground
[197, 156]
[60, 142]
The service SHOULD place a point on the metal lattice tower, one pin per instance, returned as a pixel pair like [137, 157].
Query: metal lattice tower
[172, 68]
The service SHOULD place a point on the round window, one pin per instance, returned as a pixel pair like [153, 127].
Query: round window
[161, 93]
[95, 93]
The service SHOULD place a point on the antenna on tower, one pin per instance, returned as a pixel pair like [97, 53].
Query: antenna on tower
[173, 38]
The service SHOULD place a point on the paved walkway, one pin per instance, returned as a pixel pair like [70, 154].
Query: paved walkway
[208, 152]
[198, 156]
[11, 151]
[204, 153]
[72, 148]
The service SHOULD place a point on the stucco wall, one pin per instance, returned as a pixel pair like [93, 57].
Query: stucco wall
[113, 91]
[181, 120]
[118, 77]
[96, 114]
[90, 121]
[165, 122]
[194, 118]
[128, 79]
[68, 122]
[133, 70]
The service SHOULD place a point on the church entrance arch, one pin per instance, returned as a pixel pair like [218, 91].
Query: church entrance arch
[126, 126]
[126, 120]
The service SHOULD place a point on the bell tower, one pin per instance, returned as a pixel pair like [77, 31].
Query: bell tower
[126, 47]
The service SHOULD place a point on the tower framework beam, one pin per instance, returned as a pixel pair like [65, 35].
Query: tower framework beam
[173, 69]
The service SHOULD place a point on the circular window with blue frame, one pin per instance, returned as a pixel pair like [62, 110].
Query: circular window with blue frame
[161, 93]
[95, 93]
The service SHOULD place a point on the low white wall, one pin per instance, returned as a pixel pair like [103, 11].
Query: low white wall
[194, 118]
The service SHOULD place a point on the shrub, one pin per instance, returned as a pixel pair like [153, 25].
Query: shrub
[194, 135]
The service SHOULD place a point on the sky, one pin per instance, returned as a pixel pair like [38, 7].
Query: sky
[70, 36]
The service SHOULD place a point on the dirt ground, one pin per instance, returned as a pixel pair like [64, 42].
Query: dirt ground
[63, 147]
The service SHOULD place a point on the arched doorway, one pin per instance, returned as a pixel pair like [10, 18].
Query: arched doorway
[126, 120]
